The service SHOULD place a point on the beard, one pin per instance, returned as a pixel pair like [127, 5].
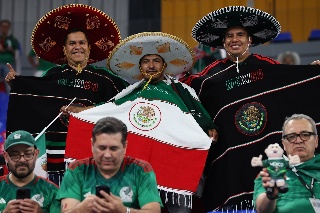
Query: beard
[20, 175]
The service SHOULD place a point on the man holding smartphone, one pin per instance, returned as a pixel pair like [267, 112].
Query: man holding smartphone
[22, 190]
[125, 184]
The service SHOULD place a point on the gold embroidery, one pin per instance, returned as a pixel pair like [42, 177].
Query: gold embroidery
[62, 22]
[134, 50]
[163, 48]
[47, 44]
[93, 22]
[125, 65]
[178, 62]
[138, 77]
[104, 44]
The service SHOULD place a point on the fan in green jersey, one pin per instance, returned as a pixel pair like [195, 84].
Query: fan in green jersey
[20, 155]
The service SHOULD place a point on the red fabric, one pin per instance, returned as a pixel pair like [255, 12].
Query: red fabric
[171, 164]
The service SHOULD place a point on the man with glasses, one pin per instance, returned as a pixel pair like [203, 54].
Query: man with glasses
[20, 156]
[299, 137]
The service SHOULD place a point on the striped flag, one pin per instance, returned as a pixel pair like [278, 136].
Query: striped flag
[159, 132]
[41, 163]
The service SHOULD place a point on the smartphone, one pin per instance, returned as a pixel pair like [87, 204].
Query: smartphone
[103, 188]
[23, 193]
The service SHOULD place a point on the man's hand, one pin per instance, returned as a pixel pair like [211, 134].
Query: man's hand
[213, 134]
[28, 205]
[75, 109]
[13, 206]
[73, 205]
[109, 203]
[11, 75]
[317, 62]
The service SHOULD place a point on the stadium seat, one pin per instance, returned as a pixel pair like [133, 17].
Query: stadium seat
[283, 37]
[314, 35]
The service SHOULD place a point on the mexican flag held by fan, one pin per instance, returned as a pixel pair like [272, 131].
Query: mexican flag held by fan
[159, 132]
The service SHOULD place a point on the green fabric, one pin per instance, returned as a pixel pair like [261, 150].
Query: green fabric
[135, 183]
[296, 200]
[159, 91]
[42, 191]
[173, 93]
[8, 56]
[43, 64]
[276, 167]
[198, 112]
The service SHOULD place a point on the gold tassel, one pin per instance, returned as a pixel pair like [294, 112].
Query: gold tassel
[79, 69]
[146, 85]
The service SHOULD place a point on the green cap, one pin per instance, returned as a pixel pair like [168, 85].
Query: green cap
[19, 137]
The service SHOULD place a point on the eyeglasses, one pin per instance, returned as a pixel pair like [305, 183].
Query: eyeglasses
[16, 158]
[292, 137]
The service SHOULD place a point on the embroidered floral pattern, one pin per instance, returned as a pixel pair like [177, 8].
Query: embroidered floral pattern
[104, 44]
[47, 44]
[93, 22]
[62, 22]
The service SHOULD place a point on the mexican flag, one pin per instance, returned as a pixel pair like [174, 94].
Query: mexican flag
[159, 132]
[41, 163]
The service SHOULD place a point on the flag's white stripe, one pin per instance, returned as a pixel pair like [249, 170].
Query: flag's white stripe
[176, 127]
[57, 152]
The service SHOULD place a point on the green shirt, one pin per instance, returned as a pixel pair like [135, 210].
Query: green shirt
[8, 56]
[42, 191]
[135, 182]
[296, 200]
[276, 167]
[43, 64]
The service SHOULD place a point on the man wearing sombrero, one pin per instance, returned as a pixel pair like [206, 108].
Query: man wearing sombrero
[149, 60]
[74, 36]
[236, 29]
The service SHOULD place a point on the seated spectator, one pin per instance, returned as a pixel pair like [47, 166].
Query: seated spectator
[299, 137]
[132, 182]
[20, 155]
[289, 57]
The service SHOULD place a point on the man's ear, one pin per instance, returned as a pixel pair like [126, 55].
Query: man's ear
[5, 156]
[91, 145]
[284, 147]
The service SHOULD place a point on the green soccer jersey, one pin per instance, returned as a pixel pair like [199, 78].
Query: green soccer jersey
[296, 200]
[135, 182]
[276, 167]
[42, 191]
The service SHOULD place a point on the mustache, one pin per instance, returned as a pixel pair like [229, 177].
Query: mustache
[22, 164]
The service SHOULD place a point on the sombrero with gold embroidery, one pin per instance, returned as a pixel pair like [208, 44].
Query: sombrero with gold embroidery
[47, 38]
[125, 57]
[261, 26]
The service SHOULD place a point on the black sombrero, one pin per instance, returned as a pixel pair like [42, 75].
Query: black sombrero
[261, 26]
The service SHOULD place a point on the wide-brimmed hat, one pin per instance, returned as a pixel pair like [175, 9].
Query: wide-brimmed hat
[47, 38]
[261, 26]
[125, 57]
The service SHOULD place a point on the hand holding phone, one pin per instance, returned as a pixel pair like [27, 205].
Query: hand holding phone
[103, 188]
[23, 193]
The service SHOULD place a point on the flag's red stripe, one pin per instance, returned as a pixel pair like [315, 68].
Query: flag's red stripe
[176, 168]
[55, 160]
